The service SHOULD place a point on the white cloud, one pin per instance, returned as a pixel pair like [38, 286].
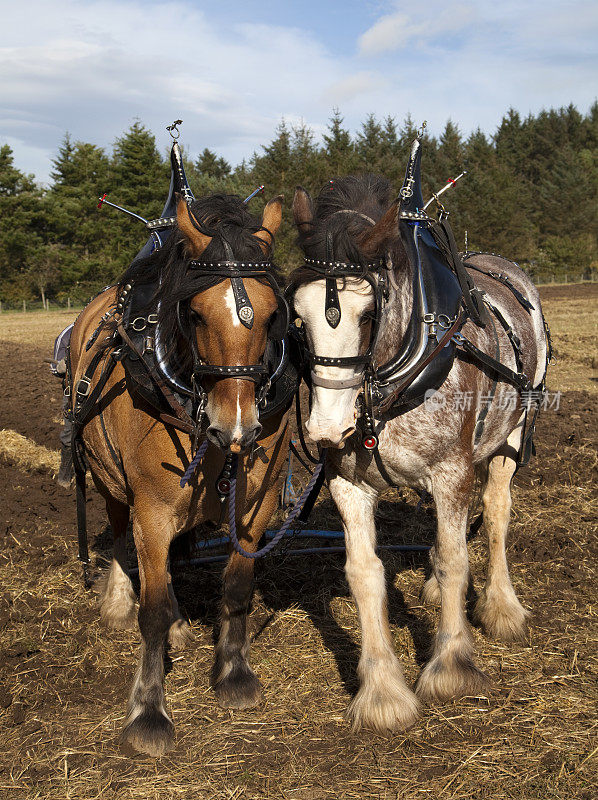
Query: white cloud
[92, 66]
[395, 31]
[352, 86]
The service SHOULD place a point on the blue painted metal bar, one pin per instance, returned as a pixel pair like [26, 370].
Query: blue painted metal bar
[401, 548]
[299, 534]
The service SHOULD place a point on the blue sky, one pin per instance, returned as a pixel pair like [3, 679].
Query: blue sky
[232, 70]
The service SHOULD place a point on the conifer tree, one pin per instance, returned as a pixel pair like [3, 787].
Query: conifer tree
[368, 146]
[339, 151]
[211, 166]
[20, 228]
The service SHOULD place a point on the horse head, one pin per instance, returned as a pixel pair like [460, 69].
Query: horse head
[345, 235]
[221, 304]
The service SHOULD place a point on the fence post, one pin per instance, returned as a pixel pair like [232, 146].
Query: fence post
[68, 303]
[24, 305]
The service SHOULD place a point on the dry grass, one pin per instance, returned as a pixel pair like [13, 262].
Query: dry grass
[574, 326]
[24, 453]
[64, 680]
[38, 328]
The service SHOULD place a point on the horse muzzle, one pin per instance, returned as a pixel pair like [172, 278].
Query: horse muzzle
[235, 440]
[329, 435]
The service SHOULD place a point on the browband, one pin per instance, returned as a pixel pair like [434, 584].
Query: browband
[260, 266]
[342, 268]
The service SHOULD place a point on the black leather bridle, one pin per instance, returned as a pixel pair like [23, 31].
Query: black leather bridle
[331, 271]
[214, 272]
[235, 271]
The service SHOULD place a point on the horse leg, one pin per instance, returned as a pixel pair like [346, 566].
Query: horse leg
[235, 683]
[180, 634]
[498, 610]
[148, 728]
[451, 671]
[117, 606]
[384, 701]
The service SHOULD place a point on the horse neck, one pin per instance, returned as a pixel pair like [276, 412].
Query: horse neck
[396, 312]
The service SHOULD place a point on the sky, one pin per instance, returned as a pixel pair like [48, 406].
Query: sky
[232, 70]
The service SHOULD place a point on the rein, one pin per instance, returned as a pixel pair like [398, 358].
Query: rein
[230, 489]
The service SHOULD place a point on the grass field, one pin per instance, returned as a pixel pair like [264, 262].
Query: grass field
[64, 680]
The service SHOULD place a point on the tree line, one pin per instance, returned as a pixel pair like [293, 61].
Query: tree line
[530, 194]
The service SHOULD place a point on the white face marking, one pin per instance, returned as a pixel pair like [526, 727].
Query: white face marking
[333, 410]
[238, 429]
[229, 299]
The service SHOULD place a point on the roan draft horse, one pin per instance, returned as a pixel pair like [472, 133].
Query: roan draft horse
[386, 327]
[217, 307]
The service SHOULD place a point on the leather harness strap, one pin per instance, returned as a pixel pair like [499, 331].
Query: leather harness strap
[442, 342]
[179, 419]
[472, 297]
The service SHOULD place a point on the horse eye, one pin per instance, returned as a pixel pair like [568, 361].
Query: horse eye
[197, 318]
[366, 317]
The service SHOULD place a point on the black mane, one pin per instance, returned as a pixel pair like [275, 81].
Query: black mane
[370, 195]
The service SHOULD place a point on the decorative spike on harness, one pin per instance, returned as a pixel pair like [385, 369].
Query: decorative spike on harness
[103, 201]
[179, 185]
[260, 189]
[449, 185]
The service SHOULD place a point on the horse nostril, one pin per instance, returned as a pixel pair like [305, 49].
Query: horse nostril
[229, 440]
[347, 432]
[218, 437]
[250, 435]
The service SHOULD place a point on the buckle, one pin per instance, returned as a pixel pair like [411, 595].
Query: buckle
[83, 387]
[139, 324]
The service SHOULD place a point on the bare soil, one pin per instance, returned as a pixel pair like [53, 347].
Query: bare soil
[64, 680]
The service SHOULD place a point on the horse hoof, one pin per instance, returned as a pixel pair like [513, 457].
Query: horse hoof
[450, 676]
[180, 634]
[384, 709]
[239, 689]
[503, 619]
[150, 732]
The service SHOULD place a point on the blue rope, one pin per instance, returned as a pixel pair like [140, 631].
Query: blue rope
[194, 463]
[232, 523]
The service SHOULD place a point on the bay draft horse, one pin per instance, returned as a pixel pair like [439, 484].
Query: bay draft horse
[154, 455]
[429, 448]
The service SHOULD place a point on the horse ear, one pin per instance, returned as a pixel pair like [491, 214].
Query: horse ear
[303, 208]
[271, 220]
[386, 228]
[196, 241]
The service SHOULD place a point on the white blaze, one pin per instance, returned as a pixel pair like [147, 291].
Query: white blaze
[229, 299]
[333, 410]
